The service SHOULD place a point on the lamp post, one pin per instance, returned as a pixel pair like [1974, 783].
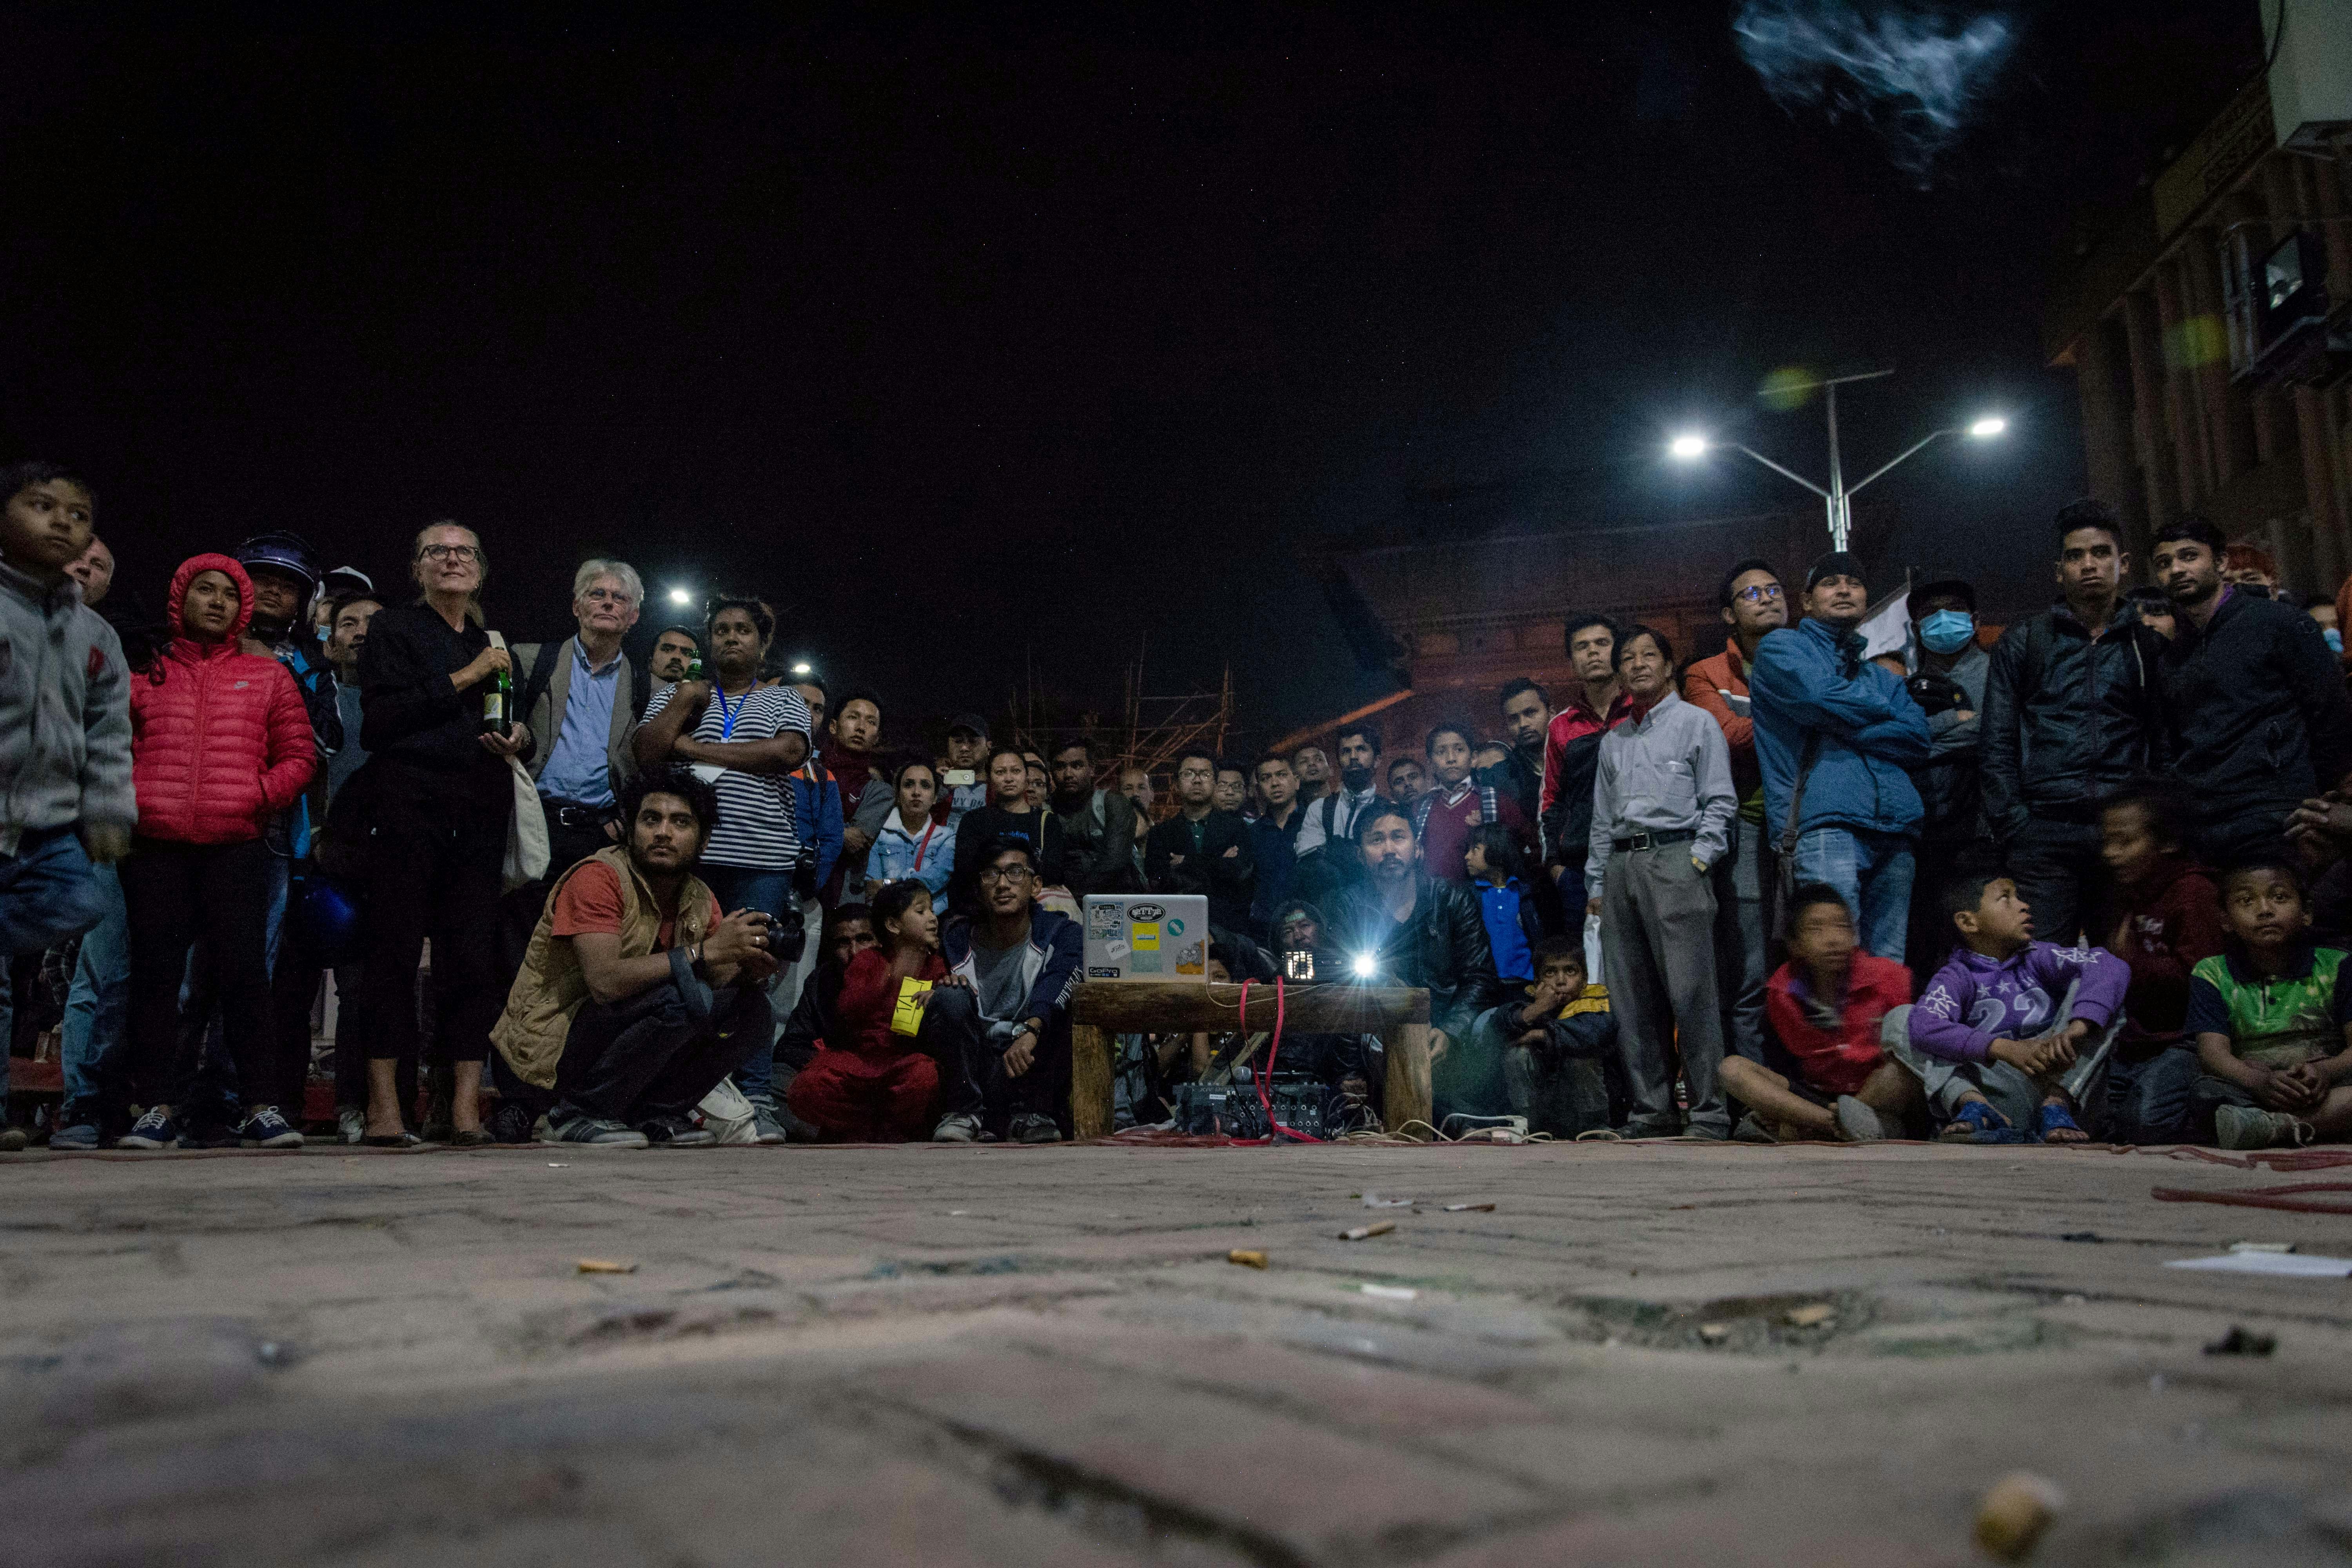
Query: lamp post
[1837, 495]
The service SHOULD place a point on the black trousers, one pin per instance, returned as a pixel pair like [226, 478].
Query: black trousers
[972, 1080]
[657, 1053]
[2058, 872]
[518, 912]
[435, 847]
[172, 893]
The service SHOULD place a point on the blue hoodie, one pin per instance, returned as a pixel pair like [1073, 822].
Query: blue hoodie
[1810, 679]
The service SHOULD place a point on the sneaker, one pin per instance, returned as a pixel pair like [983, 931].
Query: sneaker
[2245, 1127]
[510, 1123]
[592, 1130]
[765, 1128]
[154, 1130]
[263, 1128]
[1859, 1123]
[1033, 1127]
[351, 1123]
[957, 1127]
[1751, 1129]
[81, 1138]
[13, 1139]
[677, 1133]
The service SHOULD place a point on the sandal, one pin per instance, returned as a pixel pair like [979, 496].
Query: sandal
[472, 1138]
[2052, 1120]
[1976, 1122]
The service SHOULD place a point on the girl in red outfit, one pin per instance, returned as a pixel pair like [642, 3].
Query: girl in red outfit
[869, 1085]
[219, 745]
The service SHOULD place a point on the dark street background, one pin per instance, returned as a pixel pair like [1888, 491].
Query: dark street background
[987, 345]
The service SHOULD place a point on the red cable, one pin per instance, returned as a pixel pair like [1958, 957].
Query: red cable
[1273, 1048]
[2289, 1198]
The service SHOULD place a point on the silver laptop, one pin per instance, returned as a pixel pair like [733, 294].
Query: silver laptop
[1141, 936]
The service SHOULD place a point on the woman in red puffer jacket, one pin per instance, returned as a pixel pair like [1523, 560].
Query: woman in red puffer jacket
[219, 743]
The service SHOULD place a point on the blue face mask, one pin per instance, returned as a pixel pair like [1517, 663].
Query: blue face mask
[1948, 631]
[2335, 638]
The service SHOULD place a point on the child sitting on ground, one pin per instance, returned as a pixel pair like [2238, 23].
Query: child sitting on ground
[870, 1083]
[1512, 928]
[2167, 920]
[1824, 1073]
[2269, 1019]
[2011, 1030]
[1555, 1041]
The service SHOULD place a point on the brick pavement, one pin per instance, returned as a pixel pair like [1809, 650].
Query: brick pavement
[1039, 1355]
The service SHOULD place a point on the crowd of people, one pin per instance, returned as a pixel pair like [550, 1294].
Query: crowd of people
[2080, 877]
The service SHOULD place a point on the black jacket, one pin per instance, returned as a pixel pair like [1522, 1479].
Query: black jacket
[983, 823]
[2258, 717]
[1441, 945]
[1568, 825]
[2067, 718]
[1171, 865]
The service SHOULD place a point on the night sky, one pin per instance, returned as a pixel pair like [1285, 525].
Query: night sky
[987, 346]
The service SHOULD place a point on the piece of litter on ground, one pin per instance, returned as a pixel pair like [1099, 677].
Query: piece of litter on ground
[605, 1266]
[1714, 1333]
[1374, 1201]
[557, 1165]
[1812, 1316]
[958, 1214]
[1469, 1208]
[2081, 1235]
[1245, 1257]
[2014, 1513]
[2240, 1342]
[2262, 1246]
[1365, 1232]
[1391, 1292]
[2294, 1265]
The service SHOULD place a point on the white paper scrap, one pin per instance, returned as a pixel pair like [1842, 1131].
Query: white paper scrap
[2298, 1265]
[1389, 1293]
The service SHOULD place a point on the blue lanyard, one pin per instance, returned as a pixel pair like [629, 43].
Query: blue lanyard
[728, 716]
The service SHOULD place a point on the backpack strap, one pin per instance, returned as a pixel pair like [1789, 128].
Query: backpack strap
[543, 671]
[1788, 830]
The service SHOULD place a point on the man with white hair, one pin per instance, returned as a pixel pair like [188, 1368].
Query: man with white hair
[577, 698]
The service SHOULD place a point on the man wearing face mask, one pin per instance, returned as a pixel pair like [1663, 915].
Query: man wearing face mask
[1944, 668]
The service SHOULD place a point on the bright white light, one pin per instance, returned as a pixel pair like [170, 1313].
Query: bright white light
[1365, 966]
[803, 669]
[1991, 425]
[680, 597]
[1687, 447]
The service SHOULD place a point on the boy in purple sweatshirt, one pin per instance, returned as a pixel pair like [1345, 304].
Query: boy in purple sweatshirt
[2012, 1035]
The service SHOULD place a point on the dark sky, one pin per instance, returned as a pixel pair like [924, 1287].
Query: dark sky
[984, 343]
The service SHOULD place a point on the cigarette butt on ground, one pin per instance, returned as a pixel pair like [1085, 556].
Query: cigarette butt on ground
[1245, 1257]
[1365, 1232]
[2014, 1513]
[1813, 1316]
[1469, 1208]
[605, 1266]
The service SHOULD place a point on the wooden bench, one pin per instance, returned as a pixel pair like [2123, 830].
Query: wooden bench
[1103, 1008]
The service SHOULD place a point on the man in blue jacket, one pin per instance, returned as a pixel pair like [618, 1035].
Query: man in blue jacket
[1021, 964]
[1834, 733]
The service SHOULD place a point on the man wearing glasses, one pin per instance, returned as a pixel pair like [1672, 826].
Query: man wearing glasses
[1021, 963]
[1753, 603]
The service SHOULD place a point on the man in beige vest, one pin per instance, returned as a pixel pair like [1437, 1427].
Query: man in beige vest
[636, 996]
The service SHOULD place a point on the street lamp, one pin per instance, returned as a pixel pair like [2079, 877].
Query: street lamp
[1837, 495]
[804, 667]
[680, 597]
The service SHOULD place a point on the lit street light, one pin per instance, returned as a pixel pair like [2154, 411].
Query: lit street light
[1837, 496]
[804, 667]
[680, 597]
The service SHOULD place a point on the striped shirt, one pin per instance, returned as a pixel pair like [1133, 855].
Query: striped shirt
[756, 825]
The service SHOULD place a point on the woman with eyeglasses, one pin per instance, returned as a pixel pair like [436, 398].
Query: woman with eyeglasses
[434, 796]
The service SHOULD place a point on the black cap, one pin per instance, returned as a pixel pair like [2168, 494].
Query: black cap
[1941, 588]
[1837, 562]
[971, 721]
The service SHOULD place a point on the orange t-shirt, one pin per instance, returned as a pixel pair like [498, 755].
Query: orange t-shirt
[590, 902]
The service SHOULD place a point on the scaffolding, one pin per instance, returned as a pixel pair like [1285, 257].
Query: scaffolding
[1151, 732]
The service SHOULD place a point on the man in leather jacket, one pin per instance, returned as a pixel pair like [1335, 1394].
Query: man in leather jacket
[1418, 930]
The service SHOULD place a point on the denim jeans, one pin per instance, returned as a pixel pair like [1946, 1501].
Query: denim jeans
[754, 887]
[1872, 872]
[90, 1040]
[46, 894]
[2154, 1101]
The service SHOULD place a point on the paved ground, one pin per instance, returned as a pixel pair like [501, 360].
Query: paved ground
[1042, 1356]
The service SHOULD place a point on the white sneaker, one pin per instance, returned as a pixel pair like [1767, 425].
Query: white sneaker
[351, 1123]
[957, 1127]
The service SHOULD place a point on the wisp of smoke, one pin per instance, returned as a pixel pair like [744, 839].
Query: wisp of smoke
[1914, 75]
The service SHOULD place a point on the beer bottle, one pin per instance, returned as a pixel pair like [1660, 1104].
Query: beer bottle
[694, 667]
[498, 703]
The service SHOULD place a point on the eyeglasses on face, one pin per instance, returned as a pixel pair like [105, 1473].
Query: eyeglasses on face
[1005, 874]
[449, 552]
[1759, 594]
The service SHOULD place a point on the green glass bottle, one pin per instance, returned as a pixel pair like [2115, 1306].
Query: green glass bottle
[498, 703]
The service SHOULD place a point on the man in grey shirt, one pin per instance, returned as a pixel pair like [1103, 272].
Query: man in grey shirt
[1662, 811]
